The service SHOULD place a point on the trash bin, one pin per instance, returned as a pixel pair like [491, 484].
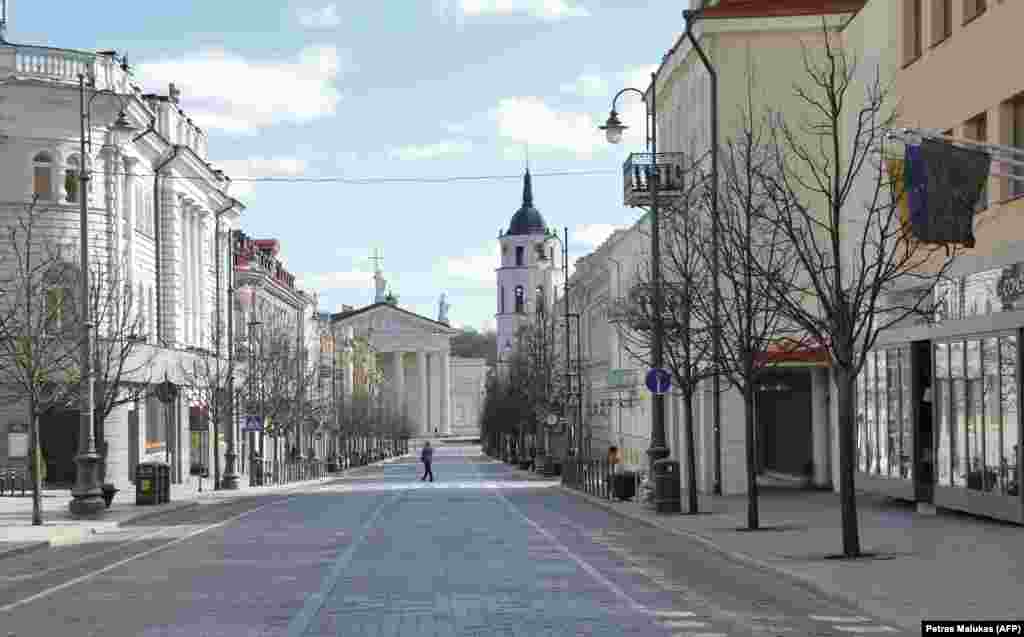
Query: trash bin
[624, 485]
[666, 486]
[145, 484]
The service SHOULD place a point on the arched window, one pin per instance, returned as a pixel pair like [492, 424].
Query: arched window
[42, 175]
[519, 255]
[501, 299]
[71, 179]
[520, 299]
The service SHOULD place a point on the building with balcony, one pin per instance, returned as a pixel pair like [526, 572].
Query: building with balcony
[159, 216]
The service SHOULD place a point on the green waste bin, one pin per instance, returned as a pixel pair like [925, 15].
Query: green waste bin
[145, 484]
[667, 498]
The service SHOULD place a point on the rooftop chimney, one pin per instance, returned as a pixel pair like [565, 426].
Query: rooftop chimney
[173, 92]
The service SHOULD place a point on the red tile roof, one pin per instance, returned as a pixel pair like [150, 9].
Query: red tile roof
[780, 8]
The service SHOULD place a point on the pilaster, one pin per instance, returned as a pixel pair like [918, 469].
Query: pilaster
[444, 363]
[172, 275]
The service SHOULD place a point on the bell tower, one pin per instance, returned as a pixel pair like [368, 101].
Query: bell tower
[525, 274]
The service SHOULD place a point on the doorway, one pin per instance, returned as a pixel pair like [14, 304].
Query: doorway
[58, 437]
[924, 451]
[783, 412]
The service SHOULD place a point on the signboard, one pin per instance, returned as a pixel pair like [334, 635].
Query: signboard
[658, 381]
[622, 378]
[17, 441]
[252, 423]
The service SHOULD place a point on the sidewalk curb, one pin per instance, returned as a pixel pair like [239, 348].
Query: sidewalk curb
[797, 579]
[21, 550]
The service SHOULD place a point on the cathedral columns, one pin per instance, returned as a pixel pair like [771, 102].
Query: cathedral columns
[421, 370]
[445, 426]
[399, 384]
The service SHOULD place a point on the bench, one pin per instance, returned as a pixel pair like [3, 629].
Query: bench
[13, 480]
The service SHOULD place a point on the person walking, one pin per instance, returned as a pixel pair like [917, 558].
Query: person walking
[427, 457]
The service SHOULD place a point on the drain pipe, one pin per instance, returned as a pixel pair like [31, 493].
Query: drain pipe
[157, 239]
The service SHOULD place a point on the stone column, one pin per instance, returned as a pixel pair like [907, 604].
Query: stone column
[186, 268]
[445, 424]
[421, 370]
[205, 332]
[399, 384]
[171, 285]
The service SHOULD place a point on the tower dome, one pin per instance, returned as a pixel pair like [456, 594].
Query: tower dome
[527, 220]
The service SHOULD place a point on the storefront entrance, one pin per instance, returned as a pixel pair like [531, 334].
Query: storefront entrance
[58, 436]
[783, 411]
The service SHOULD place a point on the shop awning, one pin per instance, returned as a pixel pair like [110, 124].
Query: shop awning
[796, 352]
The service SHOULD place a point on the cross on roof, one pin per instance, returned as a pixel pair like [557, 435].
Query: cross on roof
[377, 258]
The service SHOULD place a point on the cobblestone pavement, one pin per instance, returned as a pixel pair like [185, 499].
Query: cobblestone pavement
[483, 550]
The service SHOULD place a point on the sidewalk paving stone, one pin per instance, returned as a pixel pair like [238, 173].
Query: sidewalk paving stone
[17, 535]
[944, 566]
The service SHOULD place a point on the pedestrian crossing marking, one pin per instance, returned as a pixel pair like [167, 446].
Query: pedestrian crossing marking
[684, 624]
[866, 629]
[839, 620]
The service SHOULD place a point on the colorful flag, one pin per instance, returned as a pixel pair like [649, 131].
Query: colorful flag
[943, 184]
[900, 177]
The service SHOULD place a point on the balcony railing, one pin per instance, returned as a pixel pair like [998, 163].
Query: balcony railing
[64, 65]
[642, 170]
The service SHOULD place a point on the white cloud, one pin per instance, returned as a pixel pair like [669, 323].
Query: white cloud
[258, 168]
[474, 268]
[528, 120]
[224, 91]
[323, 18]
[594, 234]
[547, 10]
[431, 151]
[323, 281]
[587, 85]
[543, 9]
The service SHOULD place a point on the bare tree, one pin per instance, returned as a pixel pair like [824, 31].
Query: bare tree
[39, 341]
[687, 343]
[752, 252]
[207, 375]
[860, 269]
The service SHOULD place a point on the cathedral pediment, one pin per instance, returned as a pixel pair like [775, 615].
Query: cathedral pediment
[386, 319]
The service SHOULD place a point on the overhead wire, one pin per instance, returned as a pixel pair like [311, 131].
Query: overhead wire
[381, 180]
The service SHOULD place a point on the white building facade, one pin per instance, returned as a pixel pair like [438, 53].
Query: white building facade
[159, 218]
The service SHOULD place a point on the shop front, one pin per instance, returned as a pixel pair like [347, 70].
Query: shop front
[938, 417]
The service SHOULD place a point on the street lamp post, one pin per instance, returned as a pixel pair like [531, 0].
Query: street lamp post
[87, 497]
[613, 129]
[230, 478]
[691, 16]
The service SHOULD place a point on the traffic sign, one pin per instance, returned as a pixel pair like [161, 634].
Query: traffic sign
[552, 420]
[658, 381]
[252, 423]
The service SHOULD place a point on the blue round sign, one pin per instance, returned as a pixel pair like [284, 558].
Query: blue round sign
[658, 381]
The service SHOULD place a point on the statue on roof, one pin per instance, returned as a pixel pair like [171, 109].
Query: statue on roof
[442, 309]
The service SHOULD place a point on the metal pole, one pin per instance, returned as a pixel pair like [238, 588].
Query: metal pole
[87, 496]
[579, 401]
[230, 479]
[659, 447]
[716, 322]
[568, 376]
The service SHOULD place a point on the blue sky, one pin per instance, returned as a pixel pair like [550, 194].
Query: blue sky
[410, 88]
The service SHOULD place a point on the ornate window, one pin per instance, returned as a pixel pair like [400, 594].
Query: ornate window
[42, 175]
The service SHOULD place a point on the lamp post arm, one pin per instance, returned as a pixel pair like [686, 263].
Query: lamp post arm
[649, 123]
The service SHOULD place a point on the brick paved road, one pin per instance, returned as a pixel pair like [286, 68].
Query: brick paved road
[484, 550]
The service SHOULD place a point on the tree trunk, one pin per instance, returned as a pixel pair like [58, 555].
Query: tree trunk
[753, 521]
[691, 453]
[36, 461]
[847, 438]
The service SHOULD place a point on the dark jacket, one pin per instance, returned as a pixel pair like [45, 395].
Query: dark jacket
[428, 454]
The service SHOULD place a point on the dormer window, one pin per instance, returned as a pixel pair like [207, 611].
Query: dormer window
[42, 175]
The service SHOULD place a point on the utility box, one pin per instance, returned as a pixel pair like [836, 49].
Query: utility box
[666, 487]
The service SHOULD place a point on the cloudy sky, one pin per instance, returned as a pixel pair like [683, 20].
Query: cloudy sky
[395, 89]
